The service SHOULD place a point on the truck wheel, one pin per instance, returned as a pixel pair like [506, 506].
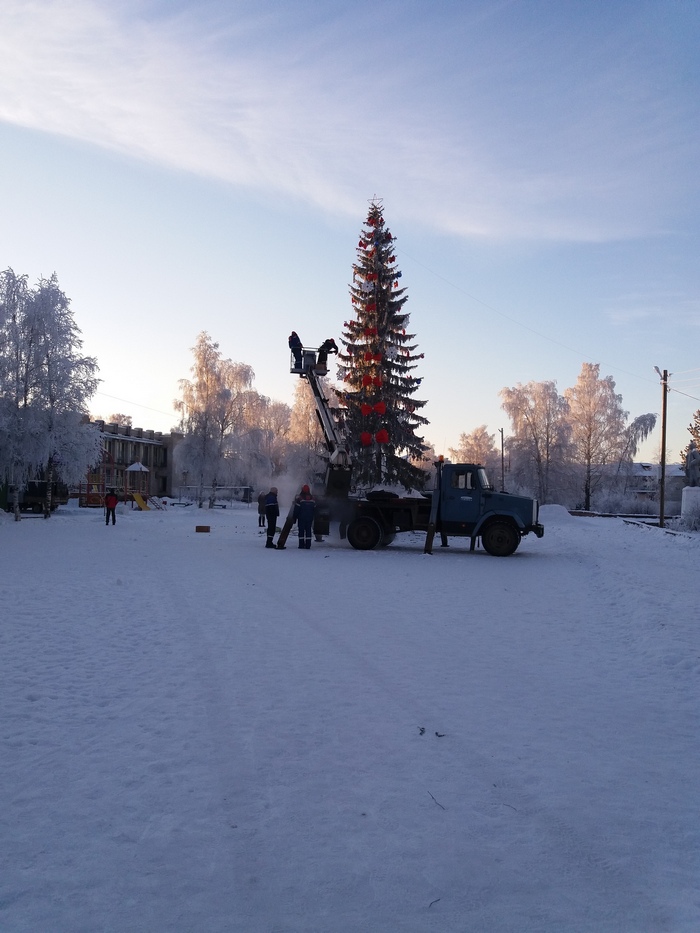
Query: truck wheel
[364, 534]
[500, 539]
[387, 538]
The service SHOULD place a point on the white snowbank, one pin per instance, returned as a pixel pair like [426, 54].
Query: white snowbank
[555, 515]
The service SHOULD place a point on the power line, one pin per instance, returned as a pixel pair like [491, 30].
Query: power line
[515, 321]
[678, 392]
[126, 401]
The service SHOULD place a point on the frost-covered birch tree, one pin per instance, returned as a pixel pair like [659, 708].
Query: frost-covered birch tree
[269, 435]
[45, 385]
[597, 423]
[307, 444]
[477, 447]
[200, 405]
[20, 449]
[214, 408]
[538, 446]
[66, 381]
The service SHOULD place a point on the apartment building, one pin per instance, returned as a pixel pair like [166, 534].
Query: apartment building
[134, 460]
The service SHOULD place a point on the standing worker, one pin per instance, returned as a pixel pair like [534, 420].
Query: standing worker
[261, 510]
[304, 513]
[296, 347]
[111, 502]
[272, 511]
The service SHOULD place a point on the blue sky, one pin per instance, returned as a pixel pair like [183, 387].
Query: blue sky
[207, 166]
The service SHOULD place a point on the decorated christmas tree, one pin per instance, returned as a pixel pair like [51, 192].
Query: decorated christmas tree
[376, 366]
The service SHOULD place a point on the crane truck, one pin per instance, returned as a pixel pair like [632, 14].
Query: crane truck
[463, 503]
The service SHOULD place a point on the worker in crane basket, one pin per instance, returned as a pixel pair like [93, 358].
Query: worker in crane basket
[328, 346]
[295, 346]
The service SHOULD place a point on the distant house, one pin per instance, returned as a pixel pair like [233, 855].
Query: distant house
[133, 461]
[644, 480]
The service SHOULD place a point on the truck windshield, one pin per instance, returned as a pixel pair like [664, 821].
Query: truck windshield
[483, 479]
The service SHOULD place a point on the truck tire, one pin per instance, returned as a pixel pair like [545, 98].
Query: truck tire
[500, 539]
[387, 538]
[364, 533]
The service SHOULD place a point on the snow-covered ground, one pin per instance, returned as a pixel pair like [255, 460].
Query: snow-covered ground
[200, 735]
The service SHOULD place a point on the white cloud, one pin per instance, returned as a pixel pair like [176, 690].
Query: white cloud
[319, 115]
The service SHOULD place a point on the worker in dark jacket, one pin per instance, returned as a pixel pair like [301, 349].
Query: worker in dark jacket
[111, 502]
[296, 347]
[328, 346]
[272, 511]
[261, 510]
[304, 510]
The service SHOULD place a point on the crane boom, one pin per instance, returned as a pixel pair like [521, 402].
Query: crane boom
[339, 466]
[331, 434]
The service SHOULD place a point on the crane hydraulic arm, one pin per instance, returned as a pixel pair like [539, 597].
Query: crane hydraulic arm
[339, 462]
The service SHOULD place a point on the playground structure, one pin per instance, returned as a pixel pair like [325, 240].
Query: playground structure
[148, 503]
[130, 485]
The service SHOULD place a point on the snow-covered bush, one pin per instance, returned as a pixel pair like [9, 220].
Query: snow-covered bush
[690, 520]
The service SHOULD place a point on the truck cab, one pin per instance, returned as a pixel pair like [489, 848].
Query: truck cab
[469, 505]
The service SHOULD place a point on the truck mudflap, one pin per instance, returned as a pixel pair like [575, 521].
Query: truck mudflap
[539, 530]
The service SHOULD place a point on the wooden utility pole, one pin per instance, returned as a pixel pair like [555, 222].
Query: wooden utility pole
[503, 463]
[662, 480]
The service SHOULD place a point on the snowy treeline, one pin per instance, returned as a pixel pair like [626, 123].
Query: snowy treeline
[574, 449]
[45, 384]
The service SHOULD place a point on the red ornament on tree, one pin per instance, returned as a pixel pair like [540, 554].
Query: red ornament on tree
[368, 355]
[366, 380]
[380, 408]
[377, 357]
[365, 438]
[377, 380]
[382, 436]
[366, 409]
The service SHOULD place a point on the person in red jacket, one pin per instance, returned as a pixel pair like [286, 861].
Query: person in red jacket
[111, 506]
[304, 509]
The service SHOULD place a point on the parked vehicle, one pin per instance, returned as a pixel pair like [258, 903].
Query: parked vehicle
[33, 498]
[463, 504]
